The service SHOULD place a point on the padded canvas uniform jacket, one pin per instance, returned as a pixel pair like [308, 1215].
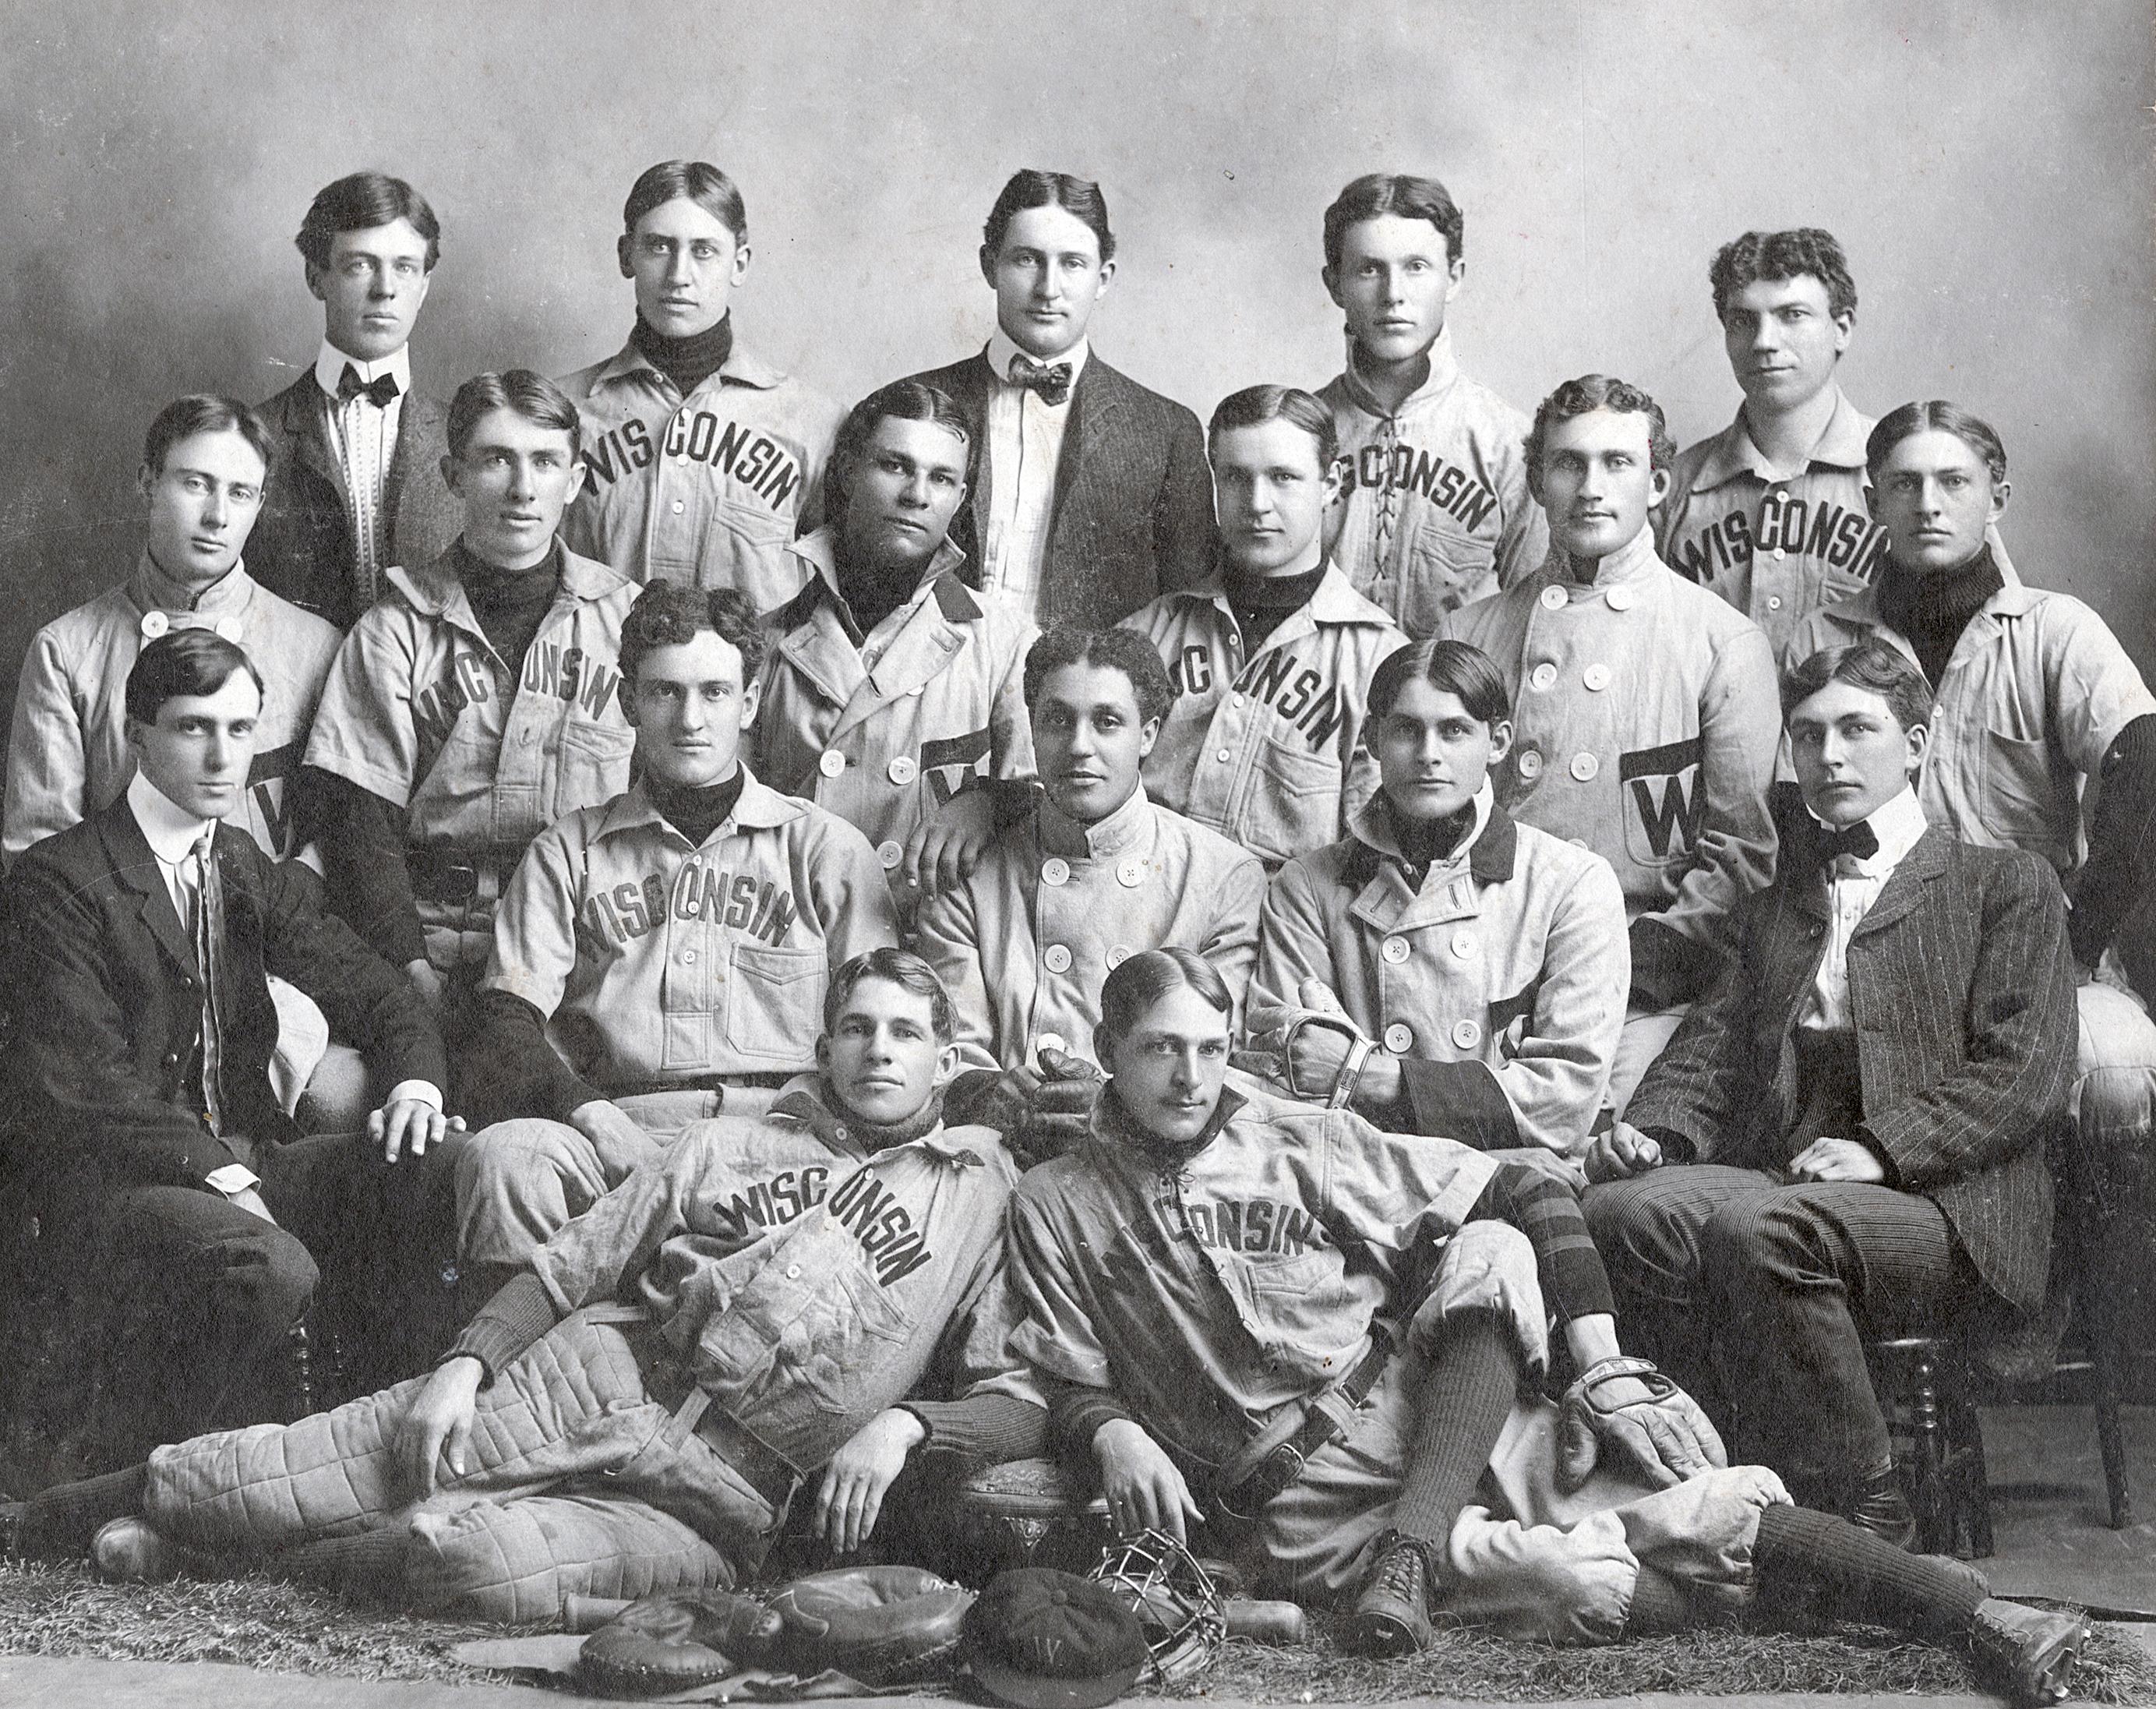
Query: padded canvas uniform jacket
[1267, 751]
[885, 733]
[1501, 982]
[67, 755]
[1452, 463]
[1024, 944]
[664, 965]
[1645, 722]
[1961, 990]
[707, 489]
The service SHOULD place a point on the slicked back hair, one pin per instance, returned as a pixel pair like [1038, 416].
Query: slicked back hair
[1583, 397]
[1871, 664]
[1081, 198]
[902, 400]
[1121, 650]
[1935, 414]
[532, 395]
[1256, 405]
[205, 413]
[1375, 194]
[1776, 255]
[358, 202]
[1140, 981]
[902, 969]
[670, 613]
[696, 180]
[1454, 667]
[181, 663]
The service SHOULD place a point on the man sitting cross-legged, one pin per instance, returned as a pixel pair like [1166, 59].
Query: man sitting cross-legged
[1214, 1283]
[807, 1289]
[1850, 1129]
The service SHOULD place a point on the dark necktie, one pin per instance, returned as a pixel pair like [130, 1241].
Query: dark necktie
[1858, 841]
[380, 391]
[1052, 380]
[210, 957]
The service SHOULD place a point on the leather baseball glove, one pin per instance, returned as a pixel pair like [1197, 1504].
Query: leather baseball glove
[663, 1643]
[1661, 1435]
[884, 1625]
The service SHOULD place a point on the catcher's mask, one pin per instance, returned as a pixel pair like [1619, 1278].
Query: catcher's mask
[1180, 1608]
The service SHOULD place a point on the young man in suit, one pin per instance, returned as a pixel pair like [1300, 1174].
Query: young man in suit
[1847, 1136]
[357, 451]
[148, 932]
[1090, 494]
[702, 460]
[1437, 513]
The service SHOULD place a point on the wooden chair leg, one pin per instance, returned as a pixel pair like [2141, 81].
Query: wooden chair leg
[300, 1357]
[1934, 1529]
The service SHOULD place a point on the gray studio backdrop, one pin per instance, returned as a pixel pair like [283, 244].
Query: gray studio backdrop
[1987, 165]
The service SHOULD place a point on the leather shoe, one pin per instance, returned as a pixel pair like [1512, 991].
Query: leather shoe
[2031, 1651]
[1391, 1609]
[1877, 1505]
[129, 1550]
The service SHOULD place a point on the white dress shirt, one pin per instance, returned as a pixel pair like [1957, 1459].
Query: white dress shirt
[365, 435]
[1852, 886]
[1025, 444]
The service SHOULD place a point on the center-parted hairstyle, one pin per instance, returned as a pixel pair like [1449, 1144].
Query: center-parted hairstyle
[670, 613]
[902, 969]
[182, 663]
[1126, 650]
[1375, 194]
[902, 400]
[1778, 255]
[696, 180]
[359, 202]
[1871, 664]
[1081, 198]
[1256, 405]
[1454, 667]
[1140, 981]
[1583, 397]
[532, 395]
[206, 412]
[1935, 414]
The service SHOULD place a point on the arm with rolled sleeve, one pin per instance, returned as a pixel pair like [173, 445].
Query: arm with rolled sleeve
[1182, 510]
[48, 770]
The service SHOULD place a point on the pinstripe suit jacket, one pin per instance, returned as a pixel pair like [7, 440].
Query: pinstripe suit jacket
[1134, 511]
[1961, 990]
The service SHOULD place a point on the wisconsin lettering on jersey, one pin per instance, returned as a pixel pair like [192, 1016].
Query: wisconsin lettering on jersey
[1840, 538]
[863, 1206]
[1277, 679]
[1252, 1225]
[1453, 489]
[752, 457]
[738, 901]
[549, 669]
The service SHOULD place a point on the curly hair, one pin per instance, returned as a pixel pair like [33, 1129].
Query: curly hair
[1583, 397]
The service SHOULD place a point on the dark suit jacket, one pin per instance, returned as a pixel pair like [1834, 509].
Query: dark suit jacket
[108, 1002]
[1133, 509]
[302, 544]
[1961, 989]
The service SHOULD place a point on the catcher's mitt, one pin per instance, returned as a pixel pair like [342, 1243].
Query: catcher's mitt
[884, 1625]
[669, 1642]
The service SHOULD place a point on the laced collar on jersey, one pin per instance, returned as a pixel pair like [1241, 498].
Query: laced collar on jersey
[1113, 1123]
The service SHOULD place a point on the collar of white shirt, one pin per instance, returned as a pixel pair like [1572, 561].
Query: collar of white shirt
[1898, 824]
[1001, 350]
[169, 829]
[330, 363]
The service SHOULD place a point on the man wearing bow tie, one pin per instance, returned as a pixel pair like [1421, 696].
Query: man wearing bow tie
[1090, 494]
[1847, 1136]
[357, 451]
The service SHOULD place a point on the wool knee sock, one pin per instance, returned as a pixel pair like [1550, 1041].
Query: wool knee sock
[59, 1522]
[1466, 1395]
[372, 1563]
[1863, 1576]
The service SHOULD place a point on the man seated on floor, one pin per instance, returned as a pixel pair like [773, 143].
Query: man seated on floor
[1442, 969]
[1320, 1332]
[1847, 1137]
[656, 953]
[141, 941]
[819, 1287]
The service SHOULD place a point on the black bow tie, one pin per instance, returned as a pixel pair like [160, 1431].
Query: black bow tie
[1858, 840]
[380, 391]
[1052, 380]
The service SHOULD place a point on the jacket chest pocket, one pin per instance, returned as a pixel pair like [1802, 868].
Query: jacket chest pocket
[1294, 804]
[593, 765]
[1297, 1306]
[775, 1006]
[1441, 570]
